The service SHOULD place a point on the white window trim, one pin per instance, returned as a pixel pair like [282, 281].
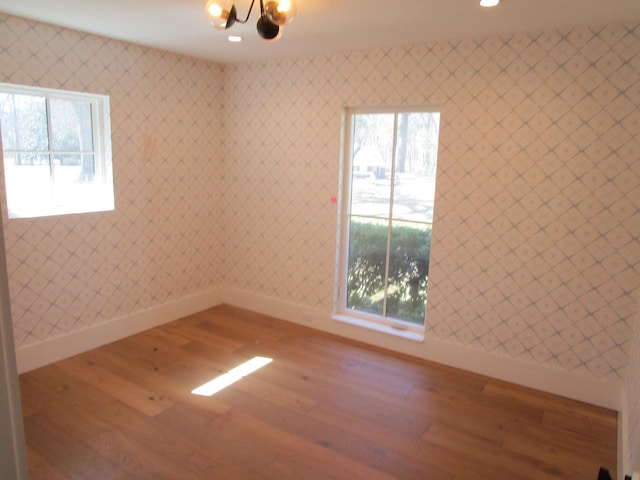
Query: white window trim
[101, 130]
[387, 325]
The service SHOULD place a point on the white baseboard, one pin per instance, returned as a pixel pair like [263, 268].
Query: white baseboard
[576, 386]
[581, 387]
[567, 384]
[605, 393]
[623, 447]
[40, 354]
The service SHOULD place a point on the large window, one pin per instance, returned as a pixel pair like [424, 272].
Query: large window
[387, 212]
[56, 150]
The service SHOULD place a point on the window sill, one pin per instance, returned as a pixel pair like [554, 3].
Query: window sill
[378, 327]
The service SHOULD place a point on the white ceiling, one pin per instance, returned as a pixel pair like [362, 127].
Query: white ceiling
[320, 26]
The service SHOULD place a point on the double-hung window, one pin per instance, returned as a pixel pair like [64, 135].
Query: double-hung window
[56, 148]
[387, 201]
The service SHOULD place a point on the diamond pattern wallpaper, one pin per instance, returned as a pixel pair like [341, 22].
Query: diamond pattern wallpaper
[224, 177]
[535, 249]
[163, 241]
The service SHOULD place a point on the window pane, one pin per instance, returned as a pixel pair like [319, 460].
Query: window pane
[67, 169]
[73, 168]
[417, 150]
[73, 186]
[71, 126]
[28, 183]
[366, 265]
[408, 271]
[24, 122]
[371, 165]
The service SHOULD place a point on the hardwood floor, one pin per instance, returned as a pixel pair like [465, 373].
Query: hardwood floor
[324, 408]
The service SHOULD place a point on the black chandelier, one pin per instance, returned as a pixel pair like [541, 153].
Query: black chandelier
[274, 14]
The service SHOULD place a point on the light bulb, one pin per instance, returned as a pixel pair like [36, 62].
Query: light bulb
[268, 30]
[221, 13]
[280, 12]
[489, 3]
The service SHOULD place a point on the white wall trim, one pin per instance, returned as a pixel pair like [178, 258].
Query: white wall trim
[576, 386]
[13, 457]
[624, 465]
[604, 393]
[40, 354]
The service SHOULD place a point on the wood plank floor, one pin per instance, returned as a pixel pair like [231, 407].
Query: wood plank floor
[325, 408]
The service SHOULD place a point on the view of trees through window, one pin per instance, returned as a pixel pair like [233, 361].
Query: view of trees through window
[392, 179]
[49, 150]
[30, 138]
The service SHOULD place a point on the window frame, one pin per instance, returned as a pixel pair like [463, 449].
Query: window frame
[102, 155]
[341, 312]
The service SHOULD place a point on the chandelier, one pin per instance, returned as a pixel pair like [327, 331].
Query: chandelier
[274, 14]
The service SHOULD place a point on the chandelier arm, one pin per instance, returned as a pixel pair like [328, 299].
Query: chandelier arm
[248, 13]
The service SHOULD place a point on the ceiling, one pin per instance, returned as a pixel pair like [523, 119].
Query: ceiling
[320, 26]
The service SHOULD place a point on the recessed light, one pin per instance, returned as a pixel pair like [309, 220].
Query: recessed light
[235, 38]
[489, 3]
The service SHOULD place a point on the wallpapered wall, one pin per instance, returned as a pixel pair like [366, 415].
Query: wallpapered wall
[162, 242]
[535, 243]
[223, 176]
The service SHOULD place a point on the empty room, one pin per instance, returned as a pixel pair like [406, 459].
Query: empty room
[320, 239]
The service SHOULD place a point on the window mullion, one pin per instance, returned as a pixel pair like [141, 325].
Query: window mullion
[50, 142]
[390, 217]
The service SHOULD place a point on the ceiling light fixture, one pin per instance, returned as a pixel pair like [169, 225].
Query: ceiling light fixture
[274, 14]
[489, 3]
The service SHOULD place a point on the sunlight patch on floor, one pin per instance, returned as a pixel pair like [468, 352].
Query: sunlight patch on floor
[232, 376]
